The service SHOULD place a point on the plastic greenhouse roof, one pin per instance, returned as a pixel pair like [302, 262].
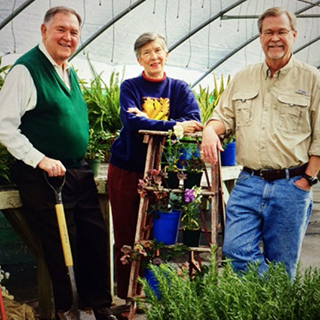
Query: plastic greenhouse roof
[204, 36]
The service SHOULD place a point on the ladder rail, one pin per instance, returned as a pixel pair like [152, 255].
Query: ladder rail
[155, 141]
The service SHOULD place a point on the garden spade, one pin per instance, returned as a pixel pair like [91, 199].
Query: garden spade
[73, 313]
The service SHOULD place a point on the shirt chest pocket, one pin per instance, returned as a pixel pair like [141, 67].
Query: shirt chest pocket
[292, 112]
[243, 102]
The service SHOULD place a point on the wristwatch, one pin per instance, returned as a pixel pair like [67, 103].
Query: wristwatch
[311, 180]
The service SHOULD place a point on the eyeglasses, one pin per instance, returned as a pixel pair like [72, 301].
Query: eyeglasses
[280, 33]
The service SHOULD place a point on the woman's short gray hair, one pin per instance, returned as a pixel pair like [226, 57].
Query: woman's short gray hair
[276, 12]
[149, 37]
[60, 9]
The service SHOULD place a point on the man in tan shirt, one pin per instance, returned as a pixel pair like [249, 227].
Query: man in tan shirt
[273, 107]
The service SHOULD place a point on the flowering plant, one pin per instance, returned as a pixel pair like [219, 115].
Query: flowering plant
[150, 252]
[152, 185]
[190, 208]
[147, 250]
[190, 160]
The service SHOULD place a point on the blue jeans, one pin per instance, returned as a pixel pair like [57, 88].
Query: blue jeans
[274, 212]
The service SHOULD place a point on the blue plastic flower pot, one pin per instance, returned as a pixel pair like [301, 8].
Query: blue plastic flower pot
[166, 226]
[152, 282]
[228, 156]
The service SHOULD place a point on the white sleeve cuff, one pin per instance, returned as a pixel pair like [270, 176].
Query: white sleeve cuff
[33, 158]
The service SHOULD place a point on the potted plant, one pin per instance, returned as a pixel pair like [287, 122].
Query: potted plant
[228, 156]
[207, 101]
[190, 216]
[190, 161]
[151, 252]
[171, 153]
[165, 218]
[103, 105]
[96, 149]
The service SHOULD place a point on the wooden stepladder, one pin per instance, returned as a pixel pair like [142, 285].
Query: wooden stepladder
[213, 192]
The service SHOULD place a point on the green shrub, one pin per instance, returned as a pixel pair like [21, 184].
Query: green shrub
[220, 293]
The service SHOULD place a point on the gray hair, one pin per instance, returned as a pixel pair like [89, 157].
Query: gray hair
[276, 12]
[146, 38]
[60, 9]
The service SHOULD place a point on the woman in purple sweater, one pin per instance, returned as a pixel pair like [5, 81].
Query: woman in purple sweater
[151, 101]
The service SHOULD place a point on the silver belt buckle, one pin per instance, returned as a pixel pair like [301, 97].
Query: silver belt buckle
[261, 173]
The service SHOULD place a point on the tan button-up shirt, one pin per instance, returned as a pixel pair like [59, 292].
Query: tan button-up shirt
[276, 120]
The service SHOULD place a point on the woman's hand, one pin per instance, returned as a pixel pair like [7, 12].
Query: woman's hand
[137, 112]
[191, 126]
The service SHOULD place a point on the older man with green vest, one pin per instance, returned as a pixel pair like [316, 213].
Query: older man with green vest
[44, 125]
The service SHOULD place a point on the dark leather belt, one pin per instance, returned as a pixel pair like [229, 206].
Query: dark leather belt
[270, 174]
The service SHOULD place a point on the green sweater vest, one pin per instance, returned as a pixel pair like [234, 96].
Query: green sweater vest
[58, 126]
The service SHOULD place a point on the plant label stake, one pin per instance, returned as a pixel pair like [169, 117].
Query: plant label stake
[73, 313]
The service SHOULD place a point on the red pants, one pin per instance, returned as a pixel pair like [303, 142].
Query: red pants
[124, 199]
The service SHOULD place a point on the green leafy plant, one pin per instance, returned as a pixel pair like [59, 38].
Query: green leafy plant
[96, 144]
[208, 100]
[171, 152]
[190, 159]
[103, 105]
[220, 293]
[227, 140]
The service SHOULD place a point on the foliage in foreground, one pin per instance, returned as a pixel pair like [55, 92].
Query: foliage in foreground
[222, 294]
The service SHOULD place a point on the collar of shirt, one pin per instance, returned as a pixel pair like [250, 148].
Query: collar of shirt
[280, 73]
[62, 72]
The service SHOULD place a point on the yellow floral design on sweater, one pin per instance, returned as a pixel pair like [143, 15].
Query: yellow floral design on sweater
[156, 108]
